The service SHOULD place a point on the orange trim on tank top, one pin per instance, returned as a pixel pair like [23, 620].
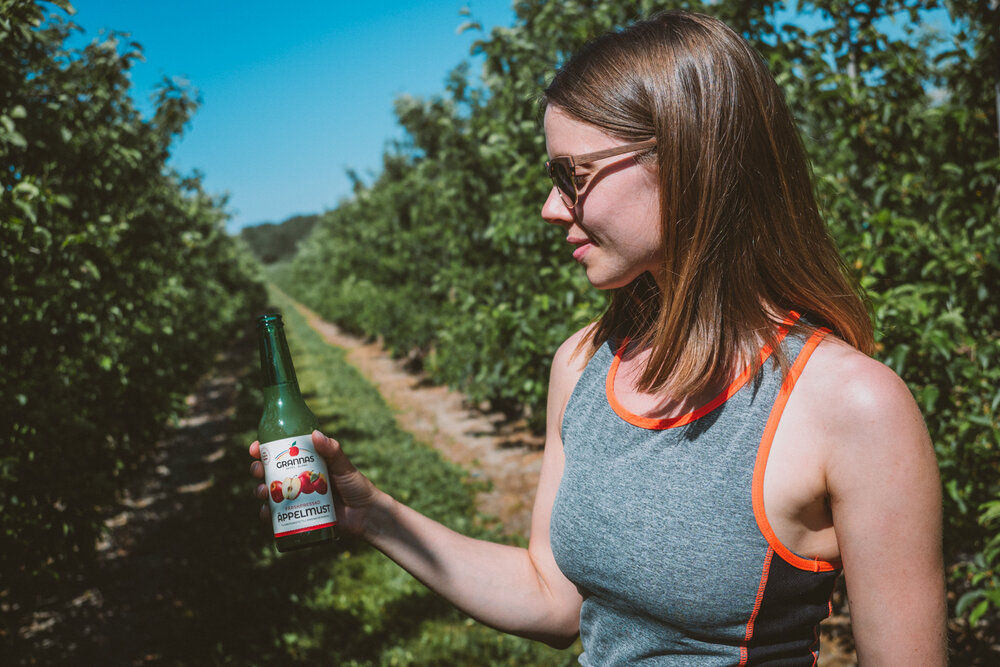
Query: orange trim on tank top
[745, 645]
[757, 487]
[654, 423]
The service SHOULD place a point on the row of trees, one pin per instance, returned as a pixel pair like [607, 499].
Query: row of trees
[444, 255]
[273, 242]
[118, 285]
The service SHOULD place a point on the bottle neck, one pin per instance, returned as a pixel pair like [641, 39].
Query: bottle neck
[276, 366]
[282, 394]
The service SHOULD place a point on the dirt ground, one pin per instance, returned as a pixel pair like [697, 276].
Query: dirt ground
[492, 449]
[506, 455]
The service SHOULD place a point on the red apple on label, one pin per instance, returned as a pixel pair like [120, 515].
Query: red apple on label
[319, 482]
[306, 479]
[293, 487]
[277, 495]
[293, 451]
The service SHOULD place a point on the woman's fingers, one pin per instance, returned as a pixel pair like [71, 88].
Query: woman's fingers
[260, 493]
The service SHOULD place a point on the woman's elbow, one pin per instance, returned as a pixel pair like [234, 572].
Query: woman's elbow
[560, 641]
[559, 634]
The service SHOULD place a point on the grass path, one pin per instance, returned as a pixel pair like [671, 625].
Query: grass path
[503, 454]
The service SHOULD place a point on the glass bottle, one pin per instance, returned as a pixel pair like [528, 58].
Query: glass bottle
[297, 480]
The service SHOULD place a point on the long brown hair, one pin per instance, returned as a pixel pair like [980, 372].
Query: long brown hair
[743, 240]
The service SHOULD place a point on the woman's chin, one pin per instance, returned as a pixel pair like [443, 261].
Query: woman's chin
[602, 281]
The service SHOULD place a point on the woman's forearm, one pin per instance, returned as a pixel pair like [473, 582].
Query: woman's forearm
[499, 585]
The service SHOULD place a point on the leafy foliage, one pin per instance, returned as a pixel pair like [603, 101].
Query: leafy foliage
[272, 242]
[117, 283]
[443, 255]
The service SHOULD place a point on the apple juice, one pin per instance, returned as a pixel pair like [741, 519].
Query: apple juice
[297, 480]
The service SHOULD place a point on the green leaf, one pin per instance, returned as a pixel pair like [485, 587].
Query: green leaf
[26, 190]
[978, 612]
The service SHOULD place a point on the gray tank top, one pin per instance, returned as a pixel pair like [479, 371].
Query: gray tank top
[660, 524]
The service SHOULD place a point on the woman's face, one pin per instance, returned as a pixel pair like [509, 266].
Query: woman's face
[615, 225]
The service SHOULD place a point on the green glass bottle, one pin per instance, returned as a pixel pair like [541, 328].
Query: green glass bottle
[297, 480]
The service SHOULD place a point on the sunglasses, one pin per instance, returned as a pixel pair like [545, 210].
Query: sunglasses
[562, 169]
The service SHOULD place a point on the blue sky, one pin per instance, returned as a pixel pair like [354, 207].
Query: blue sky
[293, 93]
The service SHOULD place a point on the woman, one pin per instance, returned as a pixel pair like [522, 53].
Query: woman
[719, 445]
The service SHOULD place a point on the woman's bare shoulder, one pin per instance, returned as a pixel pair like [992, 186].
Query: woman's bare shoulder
[574, 352]
[567, 366]
[860, 408]
[850, 384]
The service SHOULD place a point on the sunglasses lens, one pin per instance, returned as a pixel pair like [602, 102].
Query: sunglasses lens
[562, 177]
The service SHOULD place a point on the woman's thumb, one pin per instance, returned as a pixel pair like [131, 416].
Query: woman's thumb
[336, 461]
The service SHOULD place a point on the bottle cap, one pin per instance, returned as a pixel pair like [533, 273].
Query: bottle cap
[268, 320]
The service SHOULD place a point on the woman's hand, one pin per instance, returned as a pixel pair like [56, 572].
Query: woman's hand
[353, 494]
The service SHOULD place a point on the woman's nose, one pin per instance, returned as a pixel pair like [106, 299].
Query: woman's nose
[554, 210]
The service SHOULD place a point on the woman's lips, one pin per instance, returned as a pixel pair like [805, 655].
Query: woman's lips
[582, 246]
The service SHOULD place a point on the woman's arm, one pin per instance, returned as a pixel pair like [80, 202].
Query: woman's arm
[885, 495]
[516, 590]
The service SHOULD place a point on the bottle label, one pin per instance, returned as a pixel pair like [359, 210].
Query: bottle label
[298, 485]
